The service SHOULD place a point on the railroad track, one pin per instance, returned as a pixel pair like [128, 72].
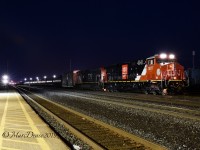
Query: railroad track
[156, 108]
[96, 134]
[184, 101]
[177, 100]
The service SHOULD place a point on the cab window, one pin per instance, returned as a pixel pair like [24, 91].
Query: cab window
[150, 61]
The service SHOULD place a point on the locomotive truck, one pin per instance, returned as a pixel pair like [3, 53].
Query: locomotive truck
[159, 74]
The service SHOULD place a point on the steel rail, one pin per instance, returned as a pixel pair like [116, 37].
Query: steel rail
[126, 140]
[177, 112]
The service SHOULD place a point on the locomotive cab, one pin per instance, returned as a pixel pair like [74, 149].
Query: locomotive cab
[164, 72]
[171, 69]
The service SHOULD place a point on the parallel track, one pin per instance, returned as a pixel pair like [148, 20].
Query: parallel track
[185, 101]
[156, 108]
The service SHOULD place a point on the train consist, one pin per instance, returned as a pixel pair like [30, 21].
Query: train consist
[158, 74]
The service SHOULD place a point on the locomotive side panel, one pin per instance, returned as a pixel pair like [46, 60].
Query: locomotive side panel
[67, 80]
[125, 71]
[91, 76]
[136, 68]
[88, 79]
[113, 72]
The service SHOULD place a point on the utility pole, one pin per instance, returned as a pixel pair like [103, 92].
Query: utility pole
[6, 66]
[193, 54]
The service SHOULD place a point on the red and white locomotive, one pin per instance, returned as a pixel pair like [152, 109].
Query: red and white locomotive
[156, 74]
[163, 72]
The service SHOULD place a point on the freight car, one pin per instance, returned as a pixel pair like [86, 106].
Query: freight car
[158, 74]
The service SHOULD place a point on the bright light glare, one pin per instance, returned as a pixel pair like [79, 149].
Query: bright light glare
[171, 56]
[12, 82]
[45, 77]
[54, 76]
[163, 56]
[5, 79]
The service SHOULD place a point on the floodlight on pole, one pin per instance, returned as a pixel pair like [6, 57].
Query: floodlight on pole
[5, 79]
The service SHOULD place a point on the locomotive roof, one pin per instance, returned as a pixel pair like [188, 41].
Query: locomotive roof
[152, 56]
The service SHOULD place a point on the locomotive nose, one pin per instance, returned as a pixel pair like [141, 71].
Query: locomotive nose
[177, 71]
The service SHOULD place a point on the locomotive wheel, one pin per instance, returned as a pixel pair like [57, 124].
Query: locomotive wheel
[146, 92]
[154, 92]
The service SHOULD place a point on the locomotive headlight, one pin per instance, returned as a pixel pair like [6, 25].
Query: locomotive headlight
[171, 56]
[163, 56]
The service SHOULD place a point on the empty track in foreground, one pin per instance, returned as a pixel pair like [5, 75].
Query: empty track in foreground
[95, 133]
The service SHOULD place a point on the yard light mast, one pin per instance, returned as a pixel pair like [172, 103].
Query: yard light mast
[193, 54]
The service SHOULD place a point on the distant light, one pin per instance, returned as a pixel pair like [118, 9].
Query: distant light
[25, 79]
[163, 56]
[31, 78]
[54, 76]
[45, 77]
[12, 82]
[37, 78]
[5, 79]
[171, 56]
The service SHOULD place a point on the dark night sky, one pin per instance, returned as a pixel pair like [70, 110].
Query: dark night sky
[40, 37]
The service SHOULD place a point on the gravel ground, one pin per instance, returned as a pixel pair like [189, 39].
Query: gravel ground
[173, 132]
